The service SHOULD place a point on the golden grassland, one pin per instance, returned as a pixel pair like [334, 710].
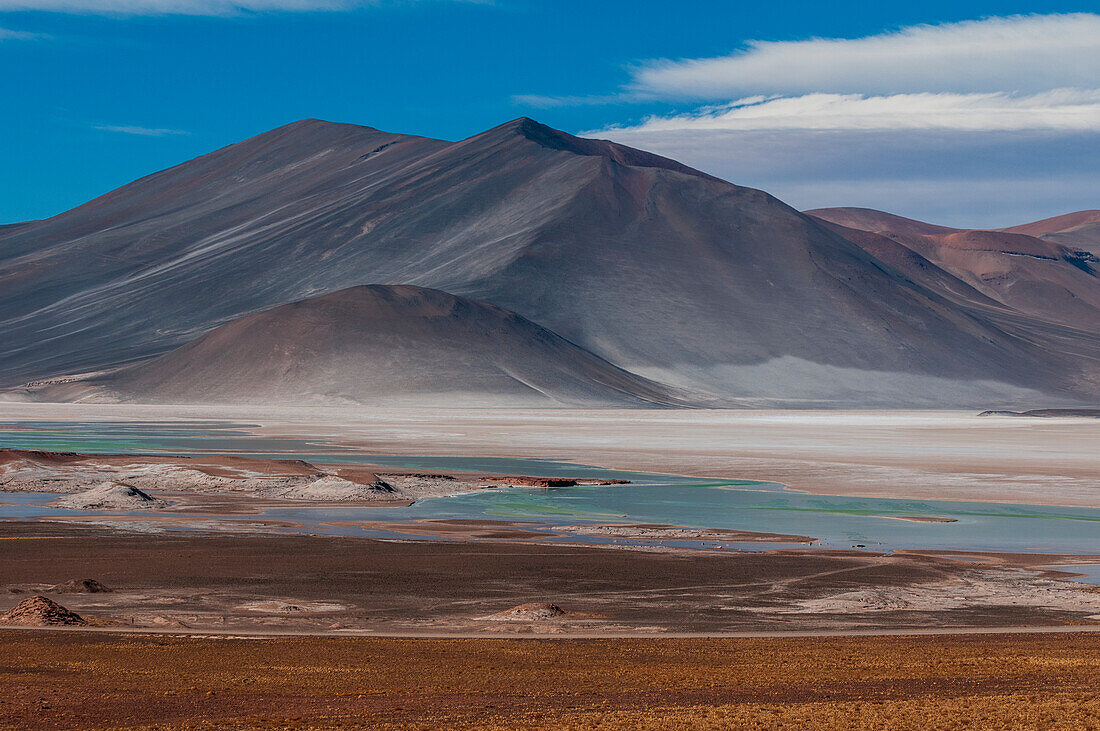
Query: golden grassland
[85, 680]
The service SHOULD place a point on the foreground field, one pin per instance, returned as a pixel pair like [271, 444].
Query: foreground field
[78, 680]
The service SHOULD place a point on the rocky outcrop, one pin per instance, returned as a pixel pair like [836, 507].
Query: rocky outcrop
[40, 611]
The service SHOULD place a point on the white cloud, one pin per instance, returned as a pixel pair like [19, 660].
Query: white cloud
[140, 131]
[6, 34]
[185, 7]
[1023, 54]
[1066, 109]
[980, 123]
[952, 177]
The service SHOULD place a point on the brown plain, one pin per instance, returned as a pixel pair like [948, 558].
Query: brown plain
[233, 583]
[79, 680]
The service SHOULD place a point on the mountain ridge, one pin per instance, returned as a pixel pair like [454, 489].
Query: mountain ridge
[662, 270]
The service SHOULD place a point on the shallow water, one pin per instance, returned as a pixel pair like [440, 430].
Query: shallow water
[1091, 572]
[704, 503]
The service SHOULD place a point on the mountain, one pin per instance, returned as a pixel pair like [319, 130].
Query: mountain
[1040, 277]
[868, 219]
[378, 345]
[1080, 230]
[664, 271]
[887, 249]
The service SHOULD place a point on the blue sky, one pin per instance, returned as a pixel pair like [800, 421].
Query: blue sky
[965, 113]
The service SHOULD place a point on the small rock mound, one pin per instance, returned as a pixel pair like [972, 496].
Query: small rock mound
[337, 489]
[80, 586]
[110, 496]
[38, 611]
[532, 611]
[159, 621]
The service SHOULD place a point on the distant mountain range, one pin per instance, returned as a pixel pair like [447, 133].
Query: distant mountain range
[1047, 269]
[534, 268]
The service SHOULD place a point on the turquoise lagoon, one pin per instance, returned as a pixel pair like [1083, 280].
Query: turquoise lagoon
[838, 521]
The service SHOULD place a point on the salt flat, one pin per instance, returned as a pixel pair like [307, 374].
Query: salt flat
[943, 455]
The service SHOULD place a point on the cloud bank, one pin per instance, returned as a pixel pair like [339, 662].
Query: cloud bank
[1022, 54]
[1066, 109]
[950, 177]
[981, 123]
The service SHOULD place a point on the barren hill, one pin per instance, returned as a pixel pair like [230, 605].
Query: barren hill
[380, 344]
[1080, 230]
[1040, 277]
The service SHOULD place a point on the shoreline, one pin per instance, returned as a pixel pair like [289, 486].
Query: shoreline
[233, 493]
[915, 454]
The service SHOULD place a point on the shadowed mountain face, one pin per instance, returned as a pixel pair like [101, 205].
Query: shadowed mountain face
[1055, 278]
[657, 268]
[380, 345]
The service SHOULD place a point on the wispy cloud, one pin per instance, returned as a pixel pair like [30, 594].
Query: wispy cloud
[140, 131]
[953, 177]
[188, 7]
[542, 101]
[982, 122]
[6, 34]
[171, 7]
[1025, 54]
[1066, 109]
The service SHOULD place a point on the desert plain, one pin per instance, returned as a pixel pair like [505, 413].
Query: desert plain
[490, 615]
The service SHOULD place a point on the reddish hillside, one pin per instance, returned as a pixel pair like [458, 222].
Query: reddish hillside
[1038, 277]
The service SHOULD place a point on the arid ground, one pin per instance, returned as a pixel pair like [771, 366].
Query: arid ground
[190, 581]
[81, 680]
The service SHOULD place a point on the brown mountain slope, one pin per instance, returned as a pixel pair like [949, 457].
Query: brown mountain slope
[868, 219]
[1035, 276]
[380, 345]
[890, 251]
[1057, 224]
[1079, 230]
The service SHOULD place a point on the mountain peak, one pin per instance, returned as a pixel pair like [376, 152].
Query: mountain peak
[318, 130]
[312, 123]
[554, 139]
[538, 132]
